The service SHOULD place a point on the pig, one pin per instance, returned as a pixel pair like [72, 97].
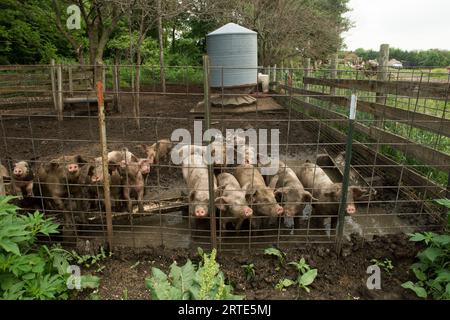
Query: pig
[158, 151]
[262, 196]
[195, 173]
[232, 201]
[59, 181]
[70, 168]
[22, 178]
[93, 191]
[132, 182]
[187, 150]
[114, 159]
[327, 192]
[72, 165]
[293, 194]
[4, 173]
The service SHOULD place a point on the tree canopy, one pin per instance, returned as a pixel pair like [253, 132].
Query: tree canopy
[424, 58]
[34, 31]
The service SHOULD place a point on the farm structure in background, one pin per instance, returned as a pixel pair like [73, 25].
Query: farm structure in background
[400, 153]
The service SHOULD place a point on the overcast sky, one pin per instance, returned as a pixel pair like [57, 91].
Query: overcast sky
[405, 24]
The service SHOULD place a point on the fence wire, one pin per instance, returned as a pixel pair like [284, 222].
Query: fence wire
[401, 148]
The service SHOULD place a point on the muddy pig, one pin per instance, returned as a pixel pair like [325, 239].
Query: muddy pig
[132, 182]
[4, 172]
[232, 201]
[114, 160]
[195, 173]
[22, 177]
[158, 151]
[59, 180]
[327, 192]
[262, 197]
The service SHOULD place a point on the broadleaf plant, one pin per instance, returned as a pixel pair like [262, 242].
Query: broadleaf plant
[190, 282]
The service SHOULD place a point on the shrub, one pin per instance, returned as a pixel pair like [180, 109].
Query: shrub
[28, 271]
[205, 282]
[433, 269]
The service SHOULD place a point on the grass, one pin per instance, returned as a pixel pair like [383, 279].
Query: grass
[429, 106]
[150, 76]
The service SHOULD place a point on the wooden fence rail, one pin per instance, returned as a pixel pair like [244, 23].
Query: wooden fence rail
[426, 155]
[416, 89]
[415, 119]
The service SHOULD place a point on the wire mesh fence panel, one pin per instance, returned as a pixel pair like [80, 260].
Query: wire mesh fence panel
[278, 156]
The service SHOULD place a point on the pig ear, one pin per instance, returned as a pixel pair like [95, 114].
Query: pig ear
[220, 203]
[143, 147]
[357, 192]
[250, 198]
[79, 159]
[307, 197]
[112, 166]
[330, 192]
[191, 196]
[334, 190]
[219, 190]
[248, 190]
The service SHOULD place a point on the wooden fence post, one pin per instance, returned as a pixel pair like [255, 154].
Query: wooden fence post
[104, 149]
[60, 93]
[52, 78]
[307, 74]
[275, 73]
[70, 80]
[104, 78]
[382, 74]
[333, 71]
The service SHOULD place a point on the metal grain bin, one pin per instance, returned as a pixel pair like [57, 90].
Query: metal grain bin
[235, 49]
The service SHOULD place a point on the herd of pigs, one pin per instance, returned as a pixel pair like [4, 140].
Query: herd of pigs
[73, 184]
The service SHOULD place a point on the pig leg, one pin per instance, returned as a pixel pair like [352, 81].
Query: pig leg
[327, 226]
[14, 189]
[239, 223]
[126, 196]
[140, 198]
[29, 189]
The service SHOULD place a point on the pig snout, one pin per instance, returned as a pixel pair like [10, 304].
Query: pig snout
[248, 211]
[279, 210]
[95, 179]
[18, 172]
[351, 209]
[73, 168]
[200, 212]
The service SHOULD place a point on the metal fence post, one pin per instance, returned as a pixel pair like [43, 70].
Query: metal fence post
[346, 176]
[307, 73]
[106, 182]
[206, 100]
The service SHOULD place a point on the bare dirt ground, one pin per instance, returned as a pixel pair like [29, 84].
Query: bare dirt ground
[44, 138]
[340, 278]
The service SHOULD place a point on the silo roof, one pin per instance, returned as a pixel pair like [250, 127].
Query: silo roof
[231, 28]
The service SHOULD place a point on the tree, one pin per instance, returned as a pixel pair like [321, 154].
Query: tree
[26, 37]
[287, 28]
[100, 18]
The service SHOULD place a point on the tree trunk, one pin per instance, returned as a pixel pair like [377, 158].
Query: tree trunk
[161, 49]
[173, 38]
[137, 88]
